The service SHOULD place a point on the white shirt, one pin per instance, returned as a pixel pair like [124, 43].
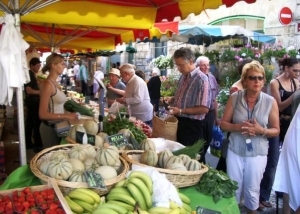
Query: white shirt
[288, 168]
[76, 69]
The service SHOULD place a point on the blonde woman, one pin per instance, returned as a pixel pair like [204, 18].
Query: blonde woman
[52, 100]
[254, 119]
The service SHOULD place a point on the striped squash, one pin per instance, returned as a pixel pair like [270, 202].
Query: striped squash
[177, 167]
[147, 144]
[60, 170]
[163, 157]
[58, 155]
[91, 164]
[149, 158]
[171, 160]
[74, 129]
[108, 156]
[193, 165]
[78, 152]
[185, 158]
[77, 164]
[77, 176]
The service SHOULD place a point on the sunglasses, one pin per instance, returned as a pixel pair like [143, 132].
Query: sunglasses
[254, 78]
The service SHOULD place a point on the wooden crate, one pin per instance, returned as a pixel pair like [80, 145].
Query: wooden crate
[51, 184]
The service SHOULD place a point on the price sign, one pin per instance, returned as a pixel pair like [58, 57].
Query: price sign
[95, 180]
[202, 210]
[117, 140]
[85, 138]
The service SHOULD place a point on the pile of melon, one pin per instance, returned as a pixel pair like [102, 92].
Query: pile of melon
[91, 127]
[70, 165]
[165, 159]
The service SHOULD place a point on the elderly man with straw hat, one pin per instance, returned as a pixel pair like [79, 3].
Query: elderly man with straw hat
[115, 88]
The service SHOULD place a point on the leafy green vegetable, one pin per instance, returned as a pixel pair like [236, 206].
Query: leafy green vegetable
[113, 124]
[192, 150]
[217, 184]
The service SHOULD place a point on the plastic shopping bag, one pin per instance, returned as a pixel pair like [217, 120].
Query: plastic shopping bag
[216, 142]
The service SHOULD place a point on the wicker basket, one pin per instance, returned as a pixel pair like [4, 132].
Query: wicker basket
[66, 186]
[178, 178]
[165, 128]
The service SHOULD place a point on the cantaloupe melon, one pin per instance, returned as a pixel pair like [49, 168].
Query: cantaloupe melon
[171, 160]
[61, 170]
[78, 152]
[177, 167]
[77, 164]
[193, 165]
[74, 129]
[147, 144]
[77, 176]
[149, 158]
[163, 156]
[185, 158]
[91, 127]
[107, 172]
[108, 156]
[91, 164]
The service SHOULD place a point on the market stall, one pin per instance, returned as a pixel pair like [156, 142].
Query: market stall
[23, 177]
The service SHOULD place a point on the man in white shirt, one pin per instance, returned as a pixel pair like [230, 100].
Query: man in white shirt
[100, 77]
[136, 95]
[76, 69]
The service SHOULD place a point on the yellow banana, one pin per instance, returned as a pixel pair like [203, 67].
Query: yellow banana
[173, 205]
[145, 177]
[184, 198]
[120, 183]
[187, 208]
[73, 205]
[124, 198]
[89, 192]
[143, 189]
[182, 211]
[122, 204]
[137, 195]
[175, 211]
[82, 197]
[120, 190]
[160, 210]
[104, 210]
[86, 206]
[117, 208]
[140, 211]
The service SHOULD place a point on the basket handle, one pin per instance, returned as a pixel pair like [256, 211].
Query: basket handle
[70, 140]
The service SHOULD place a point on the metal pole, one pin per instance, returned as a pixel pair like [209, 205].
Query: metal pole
[20, 107]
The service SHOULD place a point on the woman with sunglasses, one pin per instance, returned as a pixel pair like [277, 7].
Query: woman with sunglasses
[251, 116]
[282, 89]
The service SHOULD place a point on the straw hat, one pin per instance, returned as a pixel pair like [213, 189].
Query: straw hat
[115, 72]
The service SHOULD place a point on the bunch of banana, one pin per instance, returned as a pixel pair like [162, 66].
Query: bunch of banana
[137, 188]
[174, 208]
[83, 200]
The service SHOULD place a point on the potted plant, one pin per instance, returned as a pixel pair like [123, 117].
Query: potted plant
[163, 62]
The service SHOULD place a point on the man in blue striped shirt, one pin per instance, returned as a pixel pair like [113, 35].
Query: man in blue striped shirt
[192, 98]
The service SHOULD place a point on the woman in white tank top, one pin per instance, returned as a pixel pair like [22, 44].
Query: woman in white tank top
[52, 99]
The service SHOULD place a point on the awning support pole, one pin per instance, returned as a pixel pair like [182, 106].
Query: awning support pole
[20, 108]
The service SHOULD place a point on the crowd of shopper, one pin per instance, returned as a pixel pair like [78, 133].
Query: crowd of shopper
[258, 123]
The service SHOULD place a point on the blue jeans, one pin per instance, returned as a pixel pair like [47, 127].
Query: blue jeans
[269, 174]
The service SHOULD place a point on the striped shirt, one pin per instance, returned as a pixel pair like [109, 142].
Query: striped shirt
[214, 89]
[193, 90]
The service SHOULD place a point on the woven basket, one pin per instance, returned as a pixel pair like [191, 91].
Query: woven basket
[165, 128]
[66, 186]
[177, 178]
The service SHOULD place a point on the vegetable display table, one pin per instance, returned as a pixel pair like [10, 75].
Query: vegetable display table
[23, 177]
